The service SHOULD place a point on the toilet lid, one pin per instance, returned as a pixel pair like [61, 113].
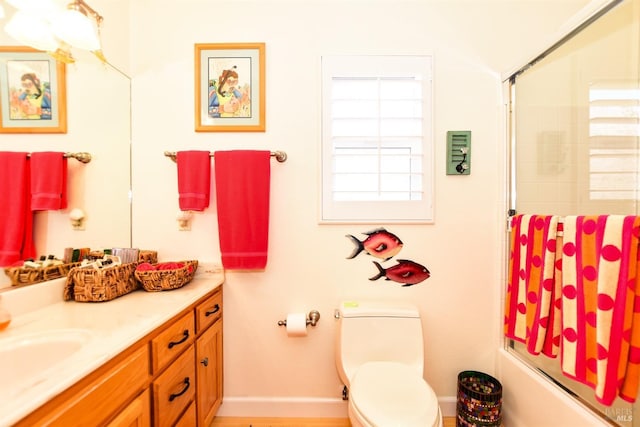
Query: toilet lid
[390, 393]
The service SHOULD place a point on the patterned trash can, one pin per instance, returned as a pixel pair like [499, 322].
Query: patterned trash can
[479, 400]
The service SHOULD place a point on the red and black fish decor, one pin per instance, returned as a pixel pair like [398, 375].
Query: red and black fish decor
[379, 243]
[405, 271]
[384, 245]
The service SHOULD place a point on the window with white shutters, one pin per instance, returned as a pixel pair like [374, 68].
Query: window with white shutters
[377, 139]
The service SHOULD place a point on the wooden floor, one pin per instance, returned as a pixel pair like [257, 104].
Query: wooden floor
[294, 422]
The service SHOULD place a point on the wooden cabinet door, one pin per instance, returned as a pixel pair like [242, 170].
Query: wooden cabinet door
[96, 398]
[136, 414]
[209, 373]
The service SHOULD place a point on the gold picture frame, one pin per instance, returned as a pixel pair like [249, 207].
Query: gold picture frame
[230, 87]
[33, 92]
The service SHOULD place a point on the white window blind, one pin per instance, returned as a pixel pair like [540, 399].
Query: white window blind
[614, 129]
[376, 139]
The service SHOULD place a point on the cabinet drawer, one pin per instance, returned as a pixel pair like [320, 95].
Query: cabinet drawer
[166, 346]
[174, 390]
[209, 311]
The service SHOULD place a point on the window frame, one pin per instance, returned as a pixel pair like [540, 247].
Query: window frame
[389, 211]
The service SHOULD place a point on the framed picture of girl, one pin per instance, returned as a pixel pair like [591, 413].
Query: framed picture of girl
[32, 92]
[230, 87]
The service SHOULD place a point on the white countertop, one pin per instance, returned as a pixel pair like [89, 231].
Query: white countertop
[113, 326]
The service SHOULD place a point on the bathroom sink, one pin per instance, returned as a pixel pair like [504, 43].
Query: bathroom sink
[24, 359]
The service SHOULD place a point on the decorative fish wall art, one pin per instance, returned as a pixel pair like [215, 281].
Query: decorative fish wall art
[379, 243]
[384, 245]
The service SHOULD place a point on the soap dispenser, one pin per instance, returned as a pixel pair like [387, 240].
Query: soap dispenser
[5, 316]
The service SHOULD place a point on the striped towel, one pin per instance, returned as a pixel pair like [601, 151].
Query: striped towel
[530, 309]
[600, 312]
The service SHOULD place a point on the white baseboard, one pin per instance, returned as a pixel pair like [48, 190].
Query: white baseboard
[284, 407]
[300, 407]
[448, 405]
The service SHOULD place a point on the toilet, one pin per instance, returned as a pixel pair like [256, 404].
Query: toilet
[379, 358]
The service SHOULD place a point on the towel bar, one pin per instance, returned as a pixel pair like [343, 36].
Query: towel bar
[82, 157]
[280, 156]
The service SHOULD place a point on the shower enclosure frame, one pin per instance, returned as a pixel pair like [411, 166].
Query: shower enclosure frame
[553, 146]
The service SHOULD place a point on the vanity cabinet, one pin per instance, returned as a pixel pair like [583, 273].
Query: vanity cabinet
[192, 347]
[171, 377]
[96, 398]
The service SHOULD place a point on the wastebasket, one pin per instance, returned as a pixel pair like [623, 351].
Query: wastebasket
[479, 400]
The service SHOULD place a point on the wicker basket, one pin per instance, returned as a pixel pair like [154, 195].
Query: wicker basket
[29, 276]
[479, 400]
[96, 285]
[148, 256]
[164, 280]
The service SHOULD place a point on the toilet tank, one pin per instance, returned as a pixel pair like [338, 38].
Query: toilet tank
[371, 331]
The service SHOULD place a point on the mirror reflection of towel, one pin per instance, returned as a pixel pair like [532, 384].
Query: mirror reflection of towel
[16, 218]
[48, 181]
[242, 180]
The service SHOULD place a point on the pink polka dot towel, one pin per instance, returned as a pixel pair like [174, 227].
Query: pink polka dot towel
[533, 290]
[573, 290]
[600, 304]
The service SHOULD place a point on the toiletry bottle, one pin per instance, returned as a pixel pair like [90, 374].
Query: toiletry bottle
[5, 316]
[30, 263]
[52, 260]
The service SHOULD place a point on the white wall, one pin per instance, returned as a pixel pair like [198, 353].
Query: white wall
[266, 373]
[472, 43]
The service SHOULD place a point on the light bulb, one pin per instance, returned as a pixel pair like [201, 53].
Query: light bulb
[75, 29]
[32, 31]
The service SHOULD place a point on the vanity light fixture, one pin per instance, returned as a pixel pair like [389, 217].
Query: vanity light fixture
[43, 25]
[79, 26]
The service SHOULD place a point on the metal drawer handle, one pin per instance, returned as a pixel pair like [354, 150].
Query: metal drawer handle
[205, 361]
[187, 383]
[216, 308]
[184, 338]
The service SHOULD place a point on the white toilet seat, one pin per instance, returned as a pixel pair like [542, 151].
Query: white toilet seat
[384, 394]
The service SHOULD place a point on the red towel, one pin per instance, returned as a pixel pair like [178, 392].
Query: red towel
[194, 179]
[16, 218]
[48, 181]
[242, 194]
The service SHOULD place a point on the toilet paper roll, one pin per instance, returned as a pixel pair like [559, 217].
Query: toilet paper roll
[297, 325]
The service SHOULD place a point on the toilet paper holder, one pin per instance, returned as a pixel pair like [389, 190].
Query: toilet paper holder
[312, 319]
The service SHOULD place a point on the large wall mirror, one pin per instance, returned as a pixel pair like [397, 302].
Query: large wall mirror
[99, 122]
